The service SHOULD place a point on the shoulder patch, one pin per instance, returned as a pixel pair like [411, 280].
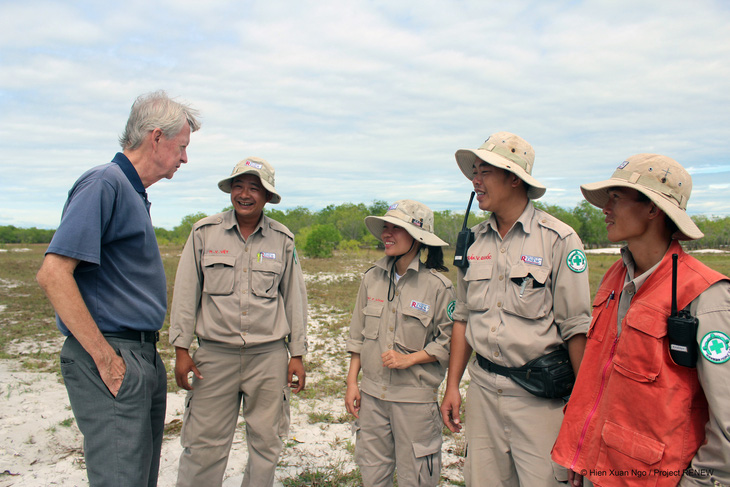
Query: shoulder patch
[715, 347]
[576, 261]
[450, 309]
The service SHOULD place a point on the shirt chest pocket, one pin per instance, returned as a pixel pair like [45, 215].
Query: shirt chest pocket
[265, 278]
[641, 345]
[219, 274]
[477, 277]
[371, 320]
[413, 330]
[527, 294]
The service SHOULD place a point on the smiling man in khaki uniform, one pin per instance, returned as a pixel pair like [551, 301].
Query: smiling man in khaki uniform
[240, 289]
[524, 295]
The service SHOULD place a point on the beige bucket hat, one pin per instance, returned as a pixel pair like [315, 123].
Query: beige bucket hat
[507, 151]
[662, 179]
[416, 218]
[257, 166]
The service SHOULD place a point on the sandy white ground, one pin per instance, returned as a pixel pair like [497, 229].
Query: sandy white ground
[40, 444]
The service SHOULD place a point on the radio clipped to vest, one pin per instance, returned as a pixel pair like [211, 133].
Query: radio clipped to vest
[681, 329]
[464, 240]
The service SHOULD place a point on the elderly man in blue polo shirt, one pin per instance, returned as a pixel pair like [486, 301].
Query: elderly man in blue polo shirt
[103, 275]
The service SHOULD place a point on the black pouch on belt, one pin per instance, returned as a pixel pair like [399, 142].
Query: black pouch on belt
[548, 376]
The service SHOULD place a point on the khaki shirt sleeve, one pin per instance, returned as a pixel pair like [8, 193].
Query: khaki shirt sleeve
[461, 313]
[711, 463]
[355, 339]
[186, 295]
[441, 345]
[294, 293]
[571, 291]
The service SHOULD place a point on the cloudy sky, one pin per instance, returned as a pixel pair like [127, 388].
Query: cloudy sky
[353, 101]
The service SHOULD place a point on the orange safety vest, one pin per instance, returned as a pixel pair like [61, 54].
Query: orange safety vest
[635, 417]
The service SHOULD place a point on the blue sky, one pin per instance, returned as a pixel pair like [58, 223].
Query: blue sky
[353, 101]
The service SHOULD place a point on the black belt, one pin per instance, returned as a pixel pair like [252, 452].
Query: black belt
[139, 336]
[497, 369]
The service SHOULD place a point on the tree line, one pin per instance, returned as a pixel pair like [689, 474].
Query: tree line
[342, 227]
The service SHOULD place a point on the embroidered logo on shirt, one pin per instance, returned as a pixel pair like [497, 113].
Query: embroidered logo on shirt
[715, 347]
[423, 307]
[577, 261]
[266, 255]
[480, 257]
[531, 259]
[377, 300]
[450, 310]
[254, 164]
[218, 251]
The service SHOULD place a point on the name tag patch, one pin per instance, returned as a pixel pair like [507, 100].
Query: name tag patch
[423, 307]
[531, 259]
[266, 255]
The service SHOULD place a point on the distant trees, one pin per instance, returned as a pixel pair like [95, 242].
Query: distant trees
[342, 226]
[11, 234]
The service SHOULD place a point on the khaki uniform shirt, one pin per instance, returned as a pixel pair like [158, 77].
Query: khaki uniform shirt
[522, 296]
[239, 292]
[712, 309]
[417, 319]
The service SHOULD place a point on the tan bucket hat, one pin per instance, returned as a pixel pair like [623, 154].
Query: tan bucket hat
[416, 218]
[507, 151]
[257, 166]
[662, 179]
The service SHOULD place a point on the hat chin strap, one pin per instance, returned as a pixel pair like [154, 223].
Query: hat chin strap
[391, 274]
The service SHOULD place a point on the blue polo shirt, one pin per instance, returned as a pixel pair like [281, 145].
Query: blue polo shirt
[106, 226]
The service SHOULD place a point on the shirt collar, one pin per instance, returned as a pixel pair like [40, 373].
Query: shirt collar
[524, 220]
[229, 221]
[128, 169]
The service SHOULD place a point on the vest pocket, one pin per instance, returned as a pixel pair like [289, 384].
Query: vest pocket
[218, 274]
[600, 305]
[626, 453]
[641, 345]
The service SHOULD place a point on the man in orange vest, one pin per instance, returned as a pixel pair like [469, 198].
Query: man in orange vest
[650, 403]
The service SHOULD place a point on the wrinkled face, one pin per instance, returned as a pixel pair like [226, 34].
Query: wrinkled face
[397, 241]
[248, 196]
[171, 153]
[627, 216]
[492, 186]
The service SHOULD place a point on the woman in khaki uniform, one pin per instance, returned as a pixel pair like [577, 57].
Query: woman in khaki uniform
[399, 336]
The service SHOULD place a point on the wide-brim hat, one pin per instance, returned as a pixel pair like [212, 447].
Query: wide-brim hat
[506, 151]
[662, 179]
[259, 167]
[416, 218]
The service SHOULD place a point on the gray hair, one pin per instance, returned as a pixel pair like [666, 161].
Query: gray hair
[156, 110]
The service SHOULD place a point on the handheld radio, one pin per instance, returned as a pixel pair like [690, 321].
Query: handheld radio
[681, 329]
[464, 240]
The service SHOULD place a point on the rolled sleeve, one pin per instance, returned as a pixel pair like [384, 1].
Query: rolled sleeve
[440, 346]
[355, 339]
[571, 292]
[294, 292]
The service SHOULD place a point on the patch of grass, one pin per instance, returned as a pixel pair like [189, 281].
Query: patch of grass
[173, 428]
[324, 387]
[68, 422]
[330, 476]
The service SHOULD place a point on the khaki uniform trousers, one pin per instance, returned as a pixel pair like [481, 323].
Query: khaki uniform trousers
[509, 439]
[401, 435]
[257, 377]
